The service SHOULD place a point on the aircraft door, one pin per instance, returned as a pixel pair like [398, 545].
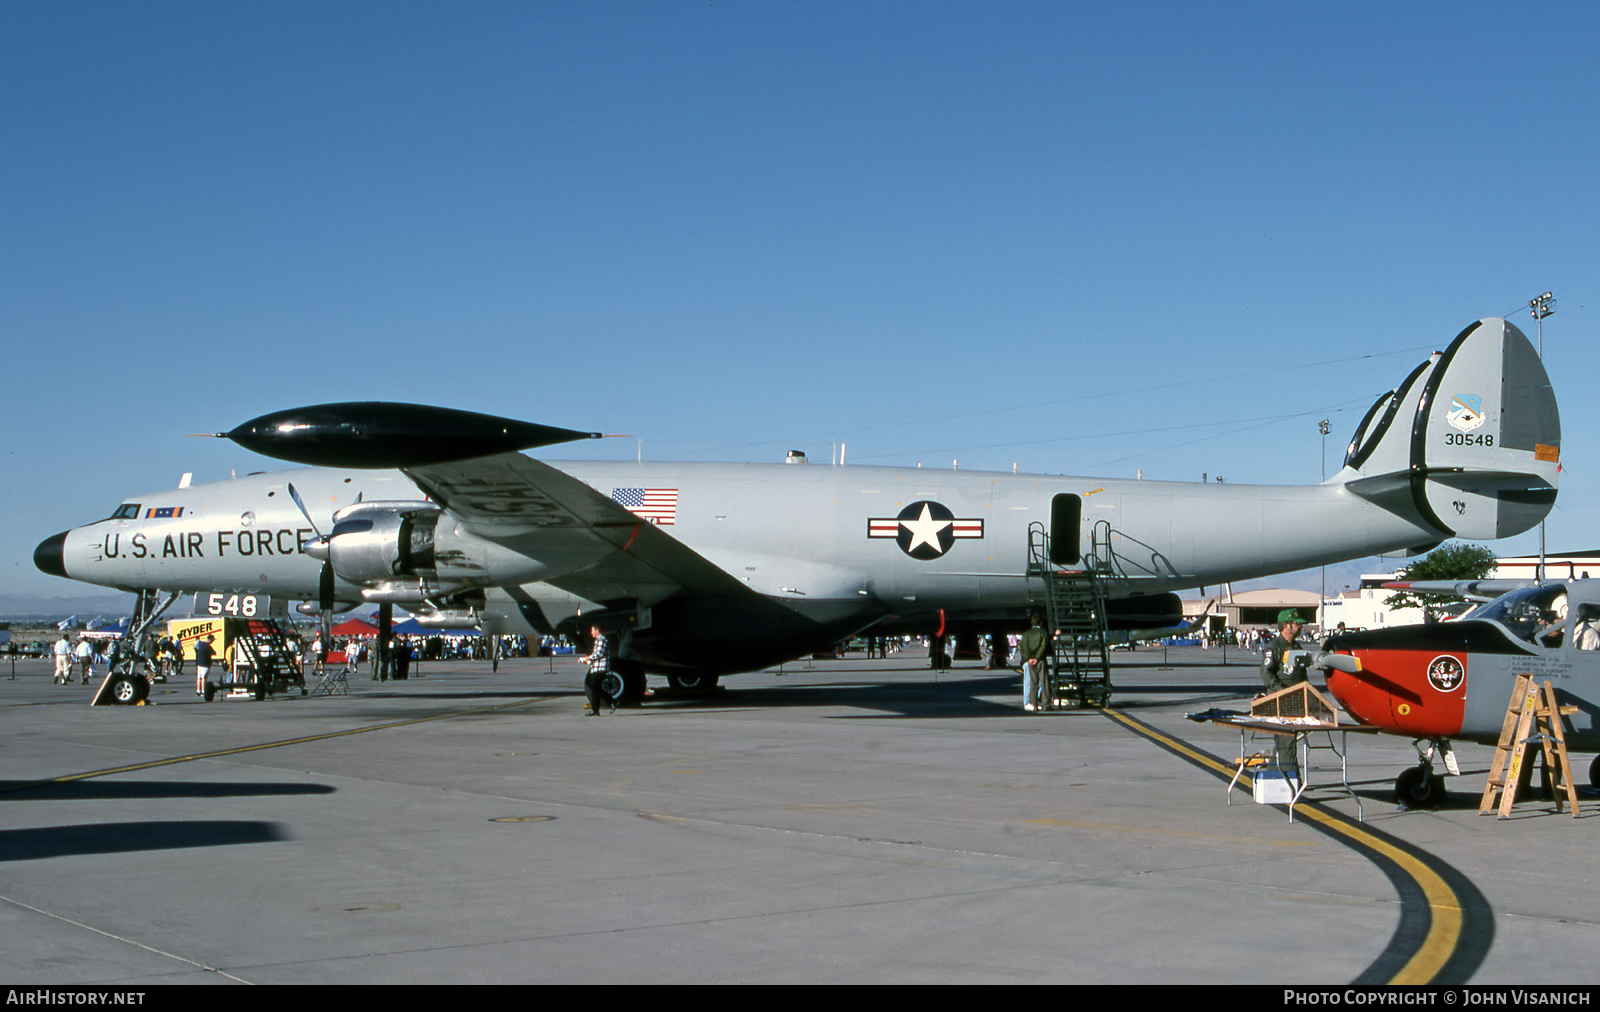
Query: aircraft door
[1066, 529]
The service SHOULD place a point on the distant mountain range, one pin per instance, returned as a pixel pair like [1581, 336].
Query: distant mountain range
[110, 603]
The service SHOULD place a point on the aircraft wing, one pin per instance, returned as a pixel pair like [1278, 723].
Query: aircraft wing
[1468, 590]
[542, 512]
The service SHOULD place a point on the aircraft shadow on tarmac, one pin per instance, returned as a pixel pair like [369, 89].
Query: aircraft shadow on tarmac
[1462, 797]
[120, 790]
[465, 694]
[956, 698]
[127, 837]
[1240, 663]
[1222, 690]
[949, 698]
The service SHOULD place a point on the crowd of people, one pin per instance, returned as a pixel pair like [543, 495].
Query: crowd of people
[81, 658]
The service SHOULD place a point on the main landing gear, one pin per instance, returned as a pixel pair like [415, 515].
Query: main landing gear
[692, 683]
[624, 684]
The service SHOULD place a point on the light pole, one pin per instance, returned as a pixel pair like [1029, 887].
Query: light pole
[1541, 307]
[1322, 602]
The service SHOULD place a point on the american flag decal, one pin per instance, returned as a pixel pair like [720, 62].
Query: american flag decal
[657, 505]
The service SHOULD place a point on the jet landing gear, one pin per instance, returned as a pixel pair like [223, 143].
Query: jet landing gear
[1420, 786]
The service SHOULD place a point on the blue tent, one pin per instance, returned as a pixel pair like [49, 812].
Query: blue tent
[411, 627]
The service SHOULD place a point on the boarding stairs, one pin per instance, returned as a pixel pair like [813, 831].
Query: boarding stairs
[263, 660]
[1078, 668]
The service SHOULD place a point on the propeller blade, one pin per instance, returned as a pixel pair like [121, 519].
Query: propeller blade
[295, 495]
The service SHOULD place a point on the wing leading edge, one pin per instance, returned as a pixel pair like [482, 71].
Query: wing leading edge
[540, 511]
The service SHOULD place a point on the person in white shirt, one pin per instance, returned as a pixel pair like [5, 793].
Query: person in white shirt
[85, 655]
[63, 661]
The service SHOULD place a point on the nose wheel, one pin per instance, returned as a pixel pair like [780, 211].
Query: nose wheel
[1420, 787]
[128, 690]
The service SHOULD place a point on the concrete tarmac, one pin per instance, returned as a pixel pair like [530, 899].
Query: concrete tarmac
[832, 822]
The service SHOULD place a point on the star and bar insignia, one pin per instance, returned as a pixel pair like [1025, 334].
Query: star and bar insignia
[925, 529]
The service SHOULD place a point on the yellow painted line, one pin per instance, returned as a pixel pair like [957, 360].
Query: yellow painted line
[1444, 928]
[1114, 827]
[1178, 746]
[242, 749]
[1444, 931]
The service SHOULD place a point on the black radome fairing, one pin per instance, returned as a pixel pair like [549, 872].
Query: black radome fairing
[372, 434]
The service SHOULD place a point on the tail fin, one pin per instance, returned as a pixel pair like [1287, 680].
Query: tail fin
[1469, 444]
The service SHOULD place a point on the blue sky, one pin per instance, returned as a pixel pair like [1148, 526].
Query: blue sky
[1084, 238]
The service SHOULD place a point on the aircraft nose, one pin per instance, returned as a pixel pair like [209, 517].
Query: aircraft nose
[51, 555]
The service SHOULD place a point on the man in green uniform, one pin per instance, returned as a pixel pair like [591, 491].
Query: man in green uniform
[1035, 645]
[1277, 673]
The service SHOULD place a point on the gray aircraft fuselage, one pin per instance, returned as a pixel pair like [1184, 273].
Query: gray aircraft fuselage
[801, 534]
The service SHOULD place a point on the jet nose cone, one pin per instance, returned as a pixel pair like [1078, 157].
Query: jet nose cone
[51, 555]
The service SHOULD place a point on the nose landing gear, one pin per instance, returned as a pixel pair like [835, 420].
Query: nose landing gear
[1420, 786]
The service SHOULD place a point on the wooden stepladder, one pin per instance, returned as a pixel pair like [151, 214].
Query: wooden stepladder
[1532, 718]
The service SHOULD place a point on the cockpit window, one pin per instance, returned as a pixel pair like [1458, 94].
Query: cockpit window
[1537, 614]
[1586, 629]
[127, 511]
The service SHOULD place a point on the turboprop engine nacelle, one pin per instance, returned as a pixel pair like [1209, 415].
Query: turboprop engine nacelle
[383, 545]
[374, 542]
[454, 618]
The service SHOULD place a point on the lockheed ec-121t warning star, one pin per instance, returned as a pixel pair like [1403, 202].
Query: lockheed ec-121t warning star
[710, 569]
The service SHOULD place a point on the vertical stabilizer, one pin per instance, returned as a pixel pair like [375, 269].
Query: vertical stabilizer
[1470, 444]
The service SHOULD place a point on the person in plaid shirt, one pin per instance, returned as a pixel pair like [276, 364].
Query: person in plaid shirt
[599, 661]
